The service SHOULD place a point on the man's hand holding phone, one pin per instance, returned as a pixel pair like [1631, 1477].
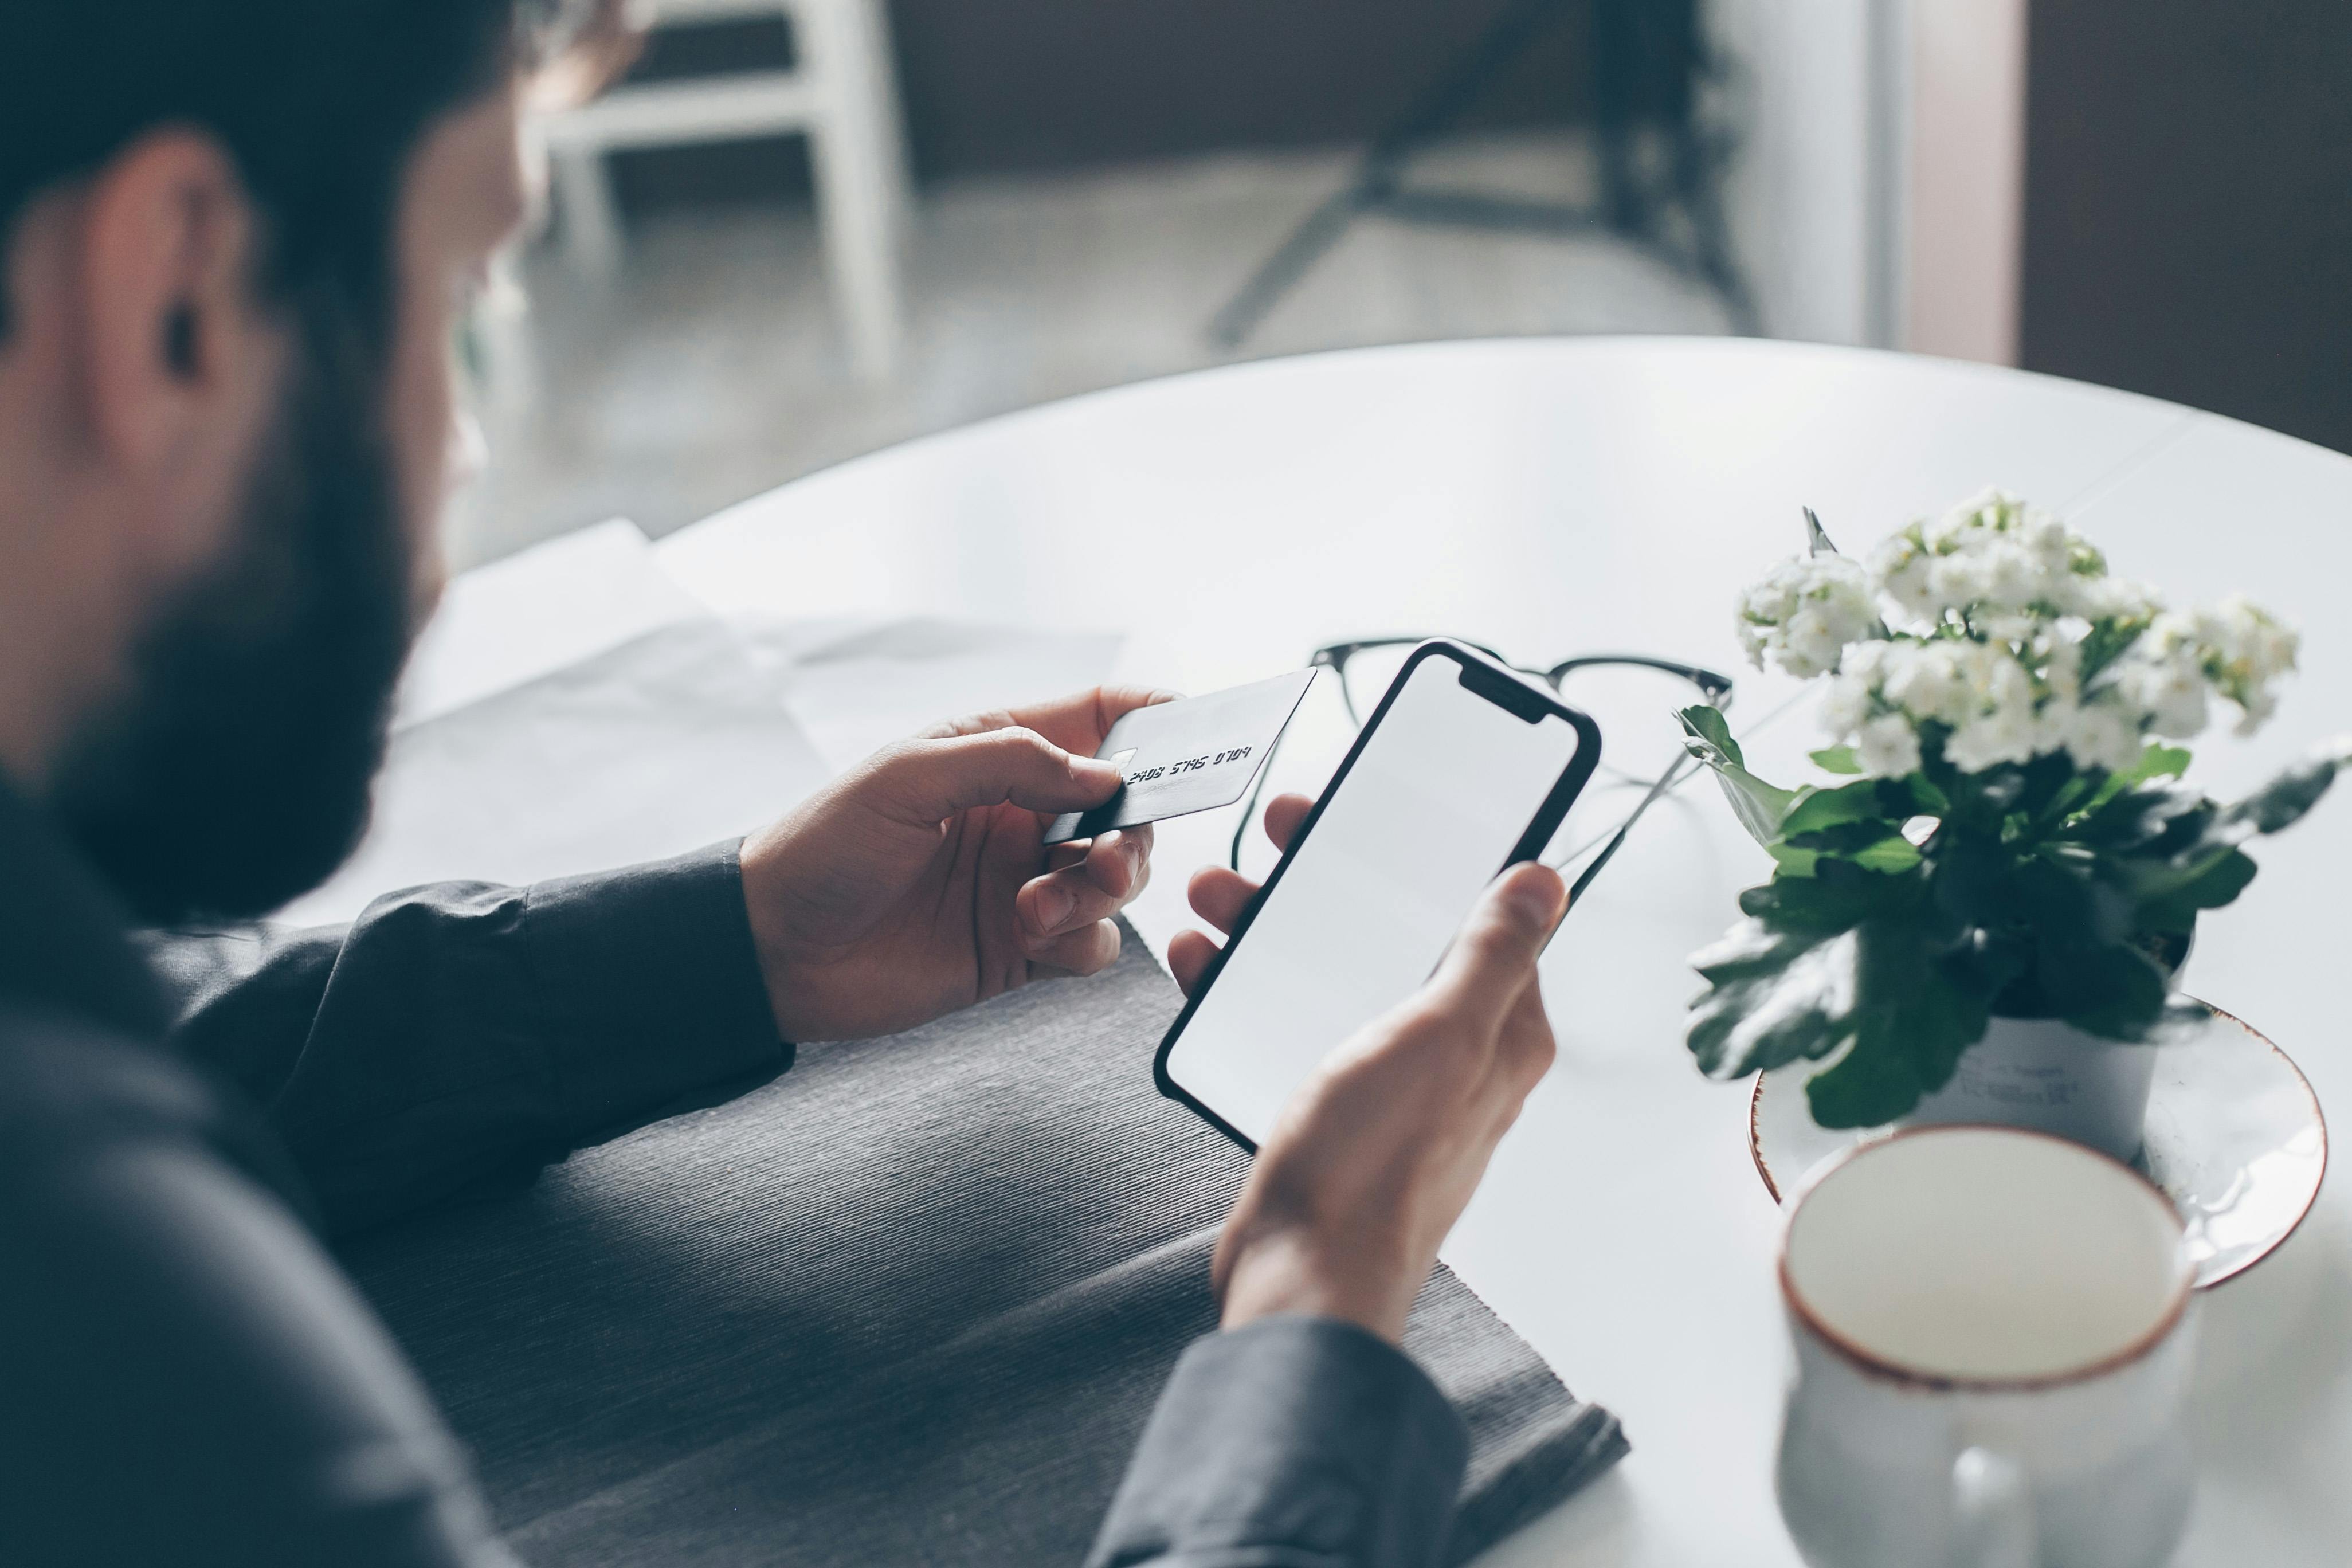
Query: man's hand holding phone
[1376, 1157]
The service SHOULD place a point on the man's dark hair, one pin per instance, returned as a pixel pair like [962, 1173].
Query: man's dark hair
[234, 771]
[319, 103]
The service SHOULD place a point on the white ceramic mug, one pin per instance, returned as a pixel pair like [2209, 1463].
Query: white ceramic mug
[1993, 1340]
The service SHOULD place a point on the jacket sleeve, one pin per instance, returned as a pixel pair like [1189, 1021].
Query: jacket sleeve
[460, 1037]
[191, 1380]
[1292, 1443]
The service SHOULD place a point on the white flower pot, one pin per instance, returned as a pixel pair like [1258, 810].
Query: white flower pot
[2051, 1077]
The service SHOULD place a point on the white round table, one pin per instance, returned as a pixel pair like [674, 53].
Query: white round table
[1547, 497]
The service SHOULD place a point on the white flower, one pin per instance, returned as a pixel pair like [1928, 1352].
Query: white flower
[1812, 641]
[1958, 581]
[1902, 568]
[2245, 648]
[2045, 536]
[2062, 665]
[2097, 734]
[2013, 577]
[1989, 740]
[1846, 704]
[2008, 625]
[1805, 612]
[1888, 747]
[2006, 607]
[1991, 558]
[2112, 598]
[2162, 681]
[1942, 680]
[2004, 728]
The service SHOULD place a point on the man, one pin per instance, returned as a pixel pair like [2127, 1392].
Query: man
[237, 236]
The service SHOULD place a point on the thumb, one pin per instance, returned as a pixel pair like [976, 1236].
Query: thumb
[932, 779]
[1492, 958]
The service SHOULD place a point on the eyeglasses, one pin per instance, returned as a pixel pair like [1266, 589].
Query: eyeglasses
[1633, 696]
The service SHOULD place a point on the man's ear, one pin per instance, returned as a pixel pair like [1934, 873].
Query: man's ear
[168, 336]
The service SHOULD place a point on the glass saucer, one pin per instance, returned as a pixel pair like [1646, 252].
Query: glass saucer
[2234, 1137]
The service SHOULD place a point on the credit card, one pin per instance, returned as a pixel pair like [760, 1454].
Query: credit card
[1194, 754]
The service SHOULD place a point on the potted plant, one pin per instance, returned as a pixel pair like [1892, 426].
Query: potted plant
[1982, 922]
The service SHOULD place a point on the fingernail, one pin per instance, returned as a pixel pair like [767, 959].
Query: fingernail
[1535, 895]
[1054, 902]
[1094, 771]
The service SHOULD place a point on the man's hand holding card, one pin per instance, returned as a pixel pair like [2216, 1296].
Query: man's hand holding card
[1194, 754]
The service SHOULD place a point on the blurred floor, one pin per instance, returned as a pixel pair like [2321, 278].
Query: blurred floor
[710, 370]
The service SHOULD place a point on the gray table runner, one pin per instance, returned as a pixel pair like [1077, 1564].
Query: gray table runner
[909, 1303]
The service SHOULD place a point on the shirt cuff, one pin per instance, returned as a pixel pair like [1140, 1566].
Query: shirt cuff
[650, 984]
[1294, 1439]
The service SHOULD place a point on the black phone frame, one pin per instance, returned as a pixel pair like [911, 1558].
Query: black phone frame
[1483, 678]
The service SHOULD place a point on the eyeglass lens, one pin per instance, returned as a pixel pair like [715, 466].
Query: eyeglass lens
[1635, 705]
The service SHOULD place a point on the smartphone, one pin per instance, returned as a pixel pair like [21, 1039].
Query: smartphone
[1463, 770]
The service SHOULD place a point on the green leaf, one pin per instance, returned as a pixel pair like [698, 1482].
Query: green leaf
[1760, 806]
[2065, 903]
[1971, 878]
[1915, 1012]
[2048, 778]
[2177, 911]
[1822, 809]
[1775, 998]
[2156, 760]
[1890, 855]
[1868, 1087]
[1836, 760]
[2147, 820]
[1751, 948]
[2282, 802]
[2159, 762]
[1851, 961]
[2115, 992]
[2159, 839]
[1707, 723]
[1837, 897]
[1916, 795]
[2104, 641]
[1873, 846]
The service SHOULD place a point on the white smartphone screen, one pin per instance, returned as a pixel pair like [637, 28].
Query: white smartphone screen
[1445, 784]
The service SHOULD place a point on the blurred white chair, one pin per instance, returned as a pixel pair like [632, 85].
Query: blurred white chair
[841, 91]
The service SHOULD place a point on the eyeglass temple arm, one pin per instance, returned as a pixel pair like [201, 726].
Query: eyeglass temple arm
[1666, 780]
[1716, 685]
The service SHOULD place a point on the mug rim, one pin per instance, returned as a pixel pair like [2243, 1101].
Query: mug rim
[1872, 1364]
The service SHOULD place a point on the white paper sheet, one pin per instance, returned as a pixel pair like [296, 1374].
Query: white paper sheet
[856, 686]
[572, 709]
[536, 612]
[665, 743]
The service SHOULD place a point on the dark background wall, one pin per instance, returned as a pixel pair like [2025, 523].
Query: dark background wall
[1027, 84]
[994, 85]
[2189, 205]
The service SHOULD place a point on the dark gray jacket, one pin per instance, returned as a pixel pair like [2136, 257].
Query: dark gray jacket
[186, 1377]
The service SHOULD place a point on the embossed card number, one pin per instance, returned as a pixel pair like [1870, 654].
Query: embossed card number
[1190, 756]
[1189, 765]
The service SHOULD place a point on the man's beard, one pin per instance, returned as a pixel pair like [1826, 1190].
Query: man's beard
[234, 772]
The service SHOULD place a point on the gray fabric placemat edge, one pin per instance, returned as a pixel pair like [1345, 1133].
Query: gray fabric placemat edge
[824, 1259]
